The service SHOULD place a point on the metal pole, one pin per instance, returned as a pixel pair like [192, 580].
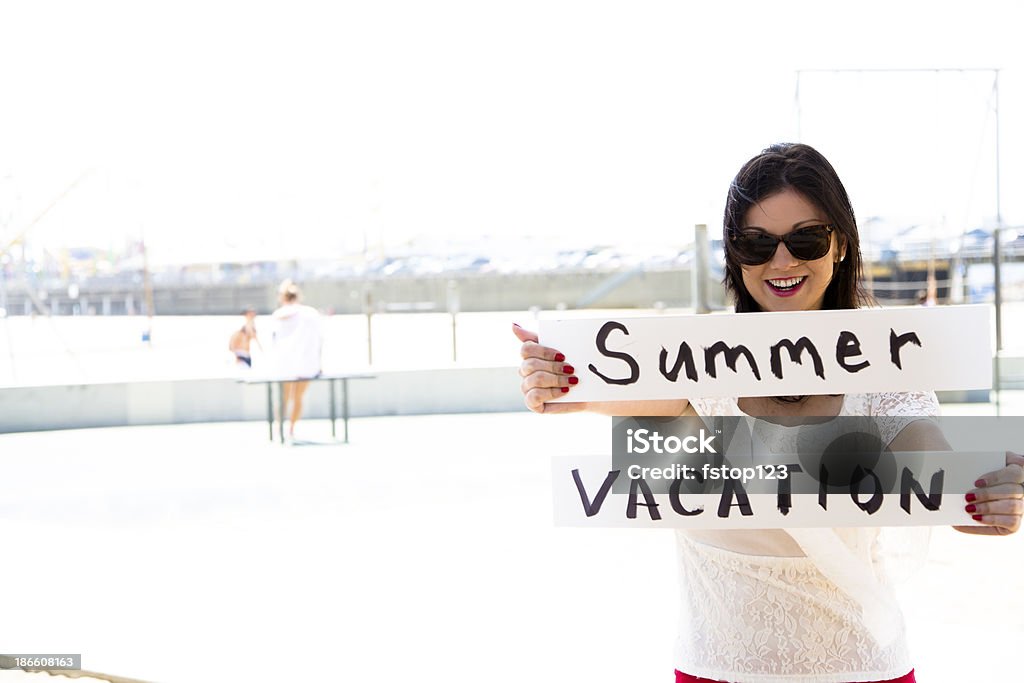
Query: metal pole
[344, 404]
[455, 348]
[999, 228]
[334, 410]
[283, 406]
[368, 310]
[453, 310]
[701, 268]
[997, 279]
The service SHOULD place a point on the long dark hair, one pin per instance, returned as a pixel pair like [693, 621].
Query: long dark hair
[801, 168]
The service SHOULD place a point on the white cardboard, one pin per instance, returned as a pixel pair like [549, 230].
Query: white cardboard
[955, 352]
[840, 511]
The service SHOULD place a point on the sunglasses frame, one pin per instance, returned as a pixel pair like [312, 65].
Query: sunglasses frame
[734, 234]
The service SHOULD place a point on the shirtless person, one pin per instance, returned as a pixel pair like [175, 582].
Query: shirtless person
[240, 340]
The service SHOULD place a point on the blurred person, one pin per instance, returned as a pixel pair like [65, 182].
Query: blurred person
[781, 605]
[298, 338]
[241, 339]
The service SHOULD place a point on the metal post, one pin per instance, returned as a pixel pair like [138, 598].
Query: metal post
[344, 404]
[998, 231]
[368, 310]
[453, 309]
[997, 278]
[270, 409]
[280, 417]
[701, 268]
[330, 388]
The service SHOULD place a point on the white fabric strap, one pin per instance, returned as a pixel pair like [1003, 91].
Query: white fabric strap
[854, 576]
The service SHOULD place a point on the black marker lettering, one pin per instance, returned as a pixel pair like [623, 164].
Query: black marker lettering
[593, 507]
[875, 501]
[734, 487]
[677, 505]
[649, 502]
[823, 487]
[602, 338]
[784, 492]
[732, 354]
[897, 342]
[685, 356]
[908, 483]
[848, 345]
[796, 355]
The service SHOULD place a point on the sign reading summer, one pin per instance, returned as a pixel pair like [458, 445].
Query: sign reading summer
[776, 354]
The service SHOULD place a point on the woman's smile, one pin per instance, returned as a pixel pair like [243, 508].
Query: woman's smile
[786, 286]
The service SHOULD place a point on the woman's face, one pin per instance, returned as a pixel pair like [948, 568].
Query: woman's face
[785, 283]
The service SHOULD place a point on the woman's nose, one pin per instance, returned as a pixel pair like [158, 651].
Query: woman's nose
[782, 258]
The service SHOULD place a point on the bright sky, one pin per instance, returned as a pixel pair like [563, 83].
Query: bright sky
[222, 129]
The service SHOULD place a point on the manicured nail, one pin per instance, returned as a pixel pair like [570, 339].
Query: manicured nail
[980, 484]
[971, 497]
[976, 518]
[565, 390]
[568, 369]
[971, 508]
[574, 380]
[559, 357]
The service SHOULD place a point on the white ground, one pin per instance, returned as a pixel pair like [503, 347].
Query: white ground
[423, 550]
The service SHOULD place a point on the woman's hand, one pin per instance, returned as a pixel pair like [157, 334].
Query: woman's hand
[998, 500]
[546, 376]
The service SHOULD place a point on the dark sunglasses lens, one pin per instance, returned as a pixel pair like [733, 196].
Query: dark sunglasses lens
[809, 244]
[755, 248]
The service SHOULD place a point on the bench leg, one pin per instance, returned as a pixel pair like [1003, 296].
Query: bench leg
[334, 410]
[270, 409]
[344, 405]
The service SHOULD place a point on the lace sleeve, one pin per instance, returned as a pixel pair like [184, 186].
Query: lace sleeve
[899, 552]
[895, 410]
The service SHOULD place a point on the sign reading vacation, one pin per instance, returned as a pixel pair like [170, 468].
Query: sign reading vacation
[775, 354]
[912, 489]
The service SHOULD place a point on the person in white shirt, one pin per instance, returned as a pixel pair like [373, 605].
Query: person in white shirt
[775, 605]
[295, 354]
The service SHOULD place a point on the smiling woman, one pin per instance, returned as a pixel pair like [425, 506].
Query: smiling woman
[791, 235]
[797, 604]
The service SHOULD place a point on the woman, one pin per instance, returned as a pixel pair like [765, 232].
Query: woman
[771, 606]
[297, 346]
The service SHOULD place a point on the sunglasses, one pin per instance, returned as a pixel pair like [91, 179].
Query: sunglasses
[756, 247]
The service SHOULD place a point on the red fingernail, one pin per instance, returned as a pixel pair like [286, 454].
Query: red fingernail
[568, 369]
[971, 508]
[559, 357]
[980, 483]
[976, 518]
[971, 497]
[574, 380]
[565, 390]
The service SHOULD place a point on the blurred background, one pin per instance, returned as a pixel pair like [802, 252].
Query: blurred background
[414, 162]
[429, 173]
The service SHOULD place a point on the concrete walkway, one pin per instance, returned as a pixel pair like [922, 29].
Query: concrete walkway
[424, 550]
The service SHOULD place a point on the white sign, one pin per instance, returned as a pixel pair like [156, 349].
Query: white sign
[776, 354]
[931, 488]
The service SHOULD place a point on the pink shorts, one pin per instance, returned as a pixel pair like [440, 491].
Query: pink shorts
[687, 678]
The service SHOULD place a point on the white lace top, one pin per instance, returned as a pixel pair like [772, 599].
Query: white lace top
[809, 605]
